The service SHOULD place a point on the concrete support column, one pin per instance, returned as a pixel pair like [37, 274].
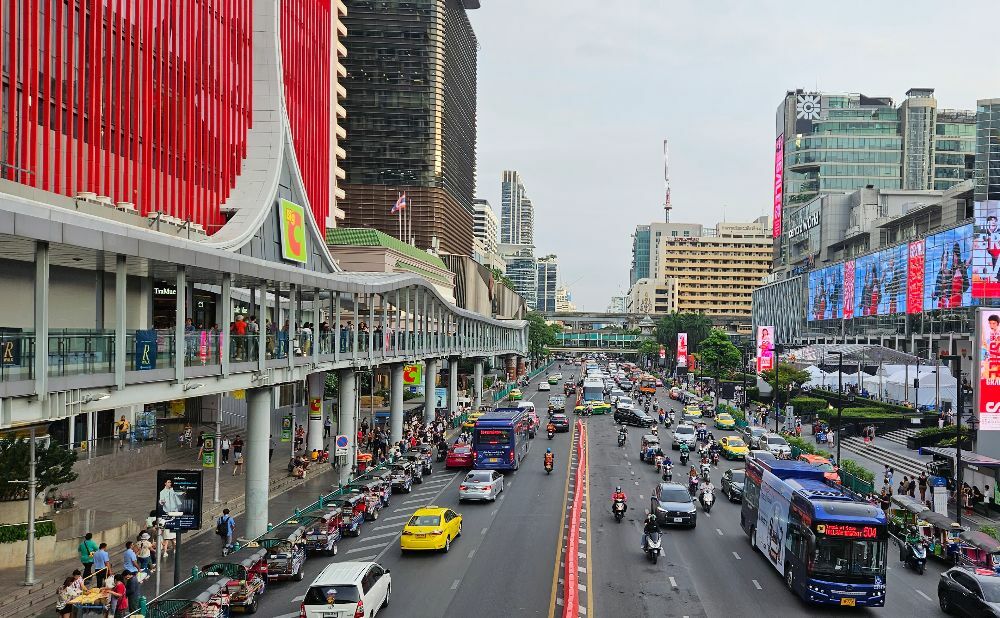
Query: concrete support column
[453, 385]
[180, 340]
[42, 320]
[396, 402]
[477, 384]
[226, 303]
[315, 385]
[120, 296]
[430, 380]
[347, 402]
[257, 468]
[71, 439]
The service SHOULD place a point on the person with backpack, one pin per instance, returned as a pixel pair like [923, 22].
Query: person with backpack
[225, 526]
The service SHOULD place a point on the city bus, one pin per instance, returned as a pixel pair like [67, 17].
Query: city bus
[593, 389]
[647, 384]
[828, 544]
[500, 439]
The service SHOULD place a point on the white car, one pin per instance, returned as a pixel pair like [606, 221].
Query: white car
[777, 445]
[346, 590]
[625, 403]
[544, 386]
[481, 485]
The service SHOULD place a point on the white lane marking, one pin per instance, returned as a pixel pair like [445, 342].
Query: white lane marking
[673, 582]
[737, 556]
[454, 584]
[921, 593]
[291, 615]
[471, 554]
[719, 530]
[637, 483]
[386, 526]
[394, 518]
[366, 548]
[397, 534]
[493, 512]
[364, 559]
[484, 530]
[298, 598]
[415, 501]
[378, 536]
[641, 498]
[756, 584]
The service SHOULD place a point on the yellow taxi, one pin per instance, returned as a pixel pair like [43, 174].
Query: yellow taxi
[724, 421]
[733, 448]
[470, 421]
[431, 527]
[516, 395]
[692, 411]
[596, 407]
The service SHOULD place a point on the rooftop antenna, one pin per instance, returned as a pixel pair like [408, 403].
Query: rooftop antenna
[666, 181]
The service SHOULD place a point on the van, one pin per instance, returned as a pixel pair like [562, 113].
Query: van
[346, 590]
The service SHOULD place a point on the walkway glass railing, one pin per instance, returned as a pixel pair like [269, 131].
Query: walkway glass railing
[76, 353]
[17, 355]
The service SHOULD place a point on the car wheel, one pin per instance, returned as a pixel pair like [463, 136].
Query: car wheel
[789, 577]
[385, 601]
[252, 608]
[459, 533]
[447, 544]
[753, 538]
[944, 602]
[300, 576]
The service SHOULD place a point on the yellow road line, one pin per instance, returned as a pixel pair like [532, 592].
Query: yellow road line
[590, 540]
[562, 525]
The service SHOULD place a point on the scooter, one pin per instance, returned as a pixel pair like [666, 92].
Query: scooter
[715, 458]
[442, 454]
[653, 545]
[685, 457]
[706, 472]
[548, 467]
[707, 500]
[916, 556]
[618, 508]
[621, 440]
[668, 472]
[693, 485]
[551, 433]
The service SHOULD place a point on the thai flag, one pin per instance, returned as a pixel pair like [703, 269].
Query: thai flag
[399, 205]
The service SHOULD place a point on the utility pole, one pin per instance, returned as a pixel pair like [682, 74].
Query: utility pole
[29, 556]
[777, 364]
[958, 434]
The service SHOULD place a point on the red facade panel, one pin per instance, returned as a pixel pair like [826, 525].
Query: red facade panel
[144, 102]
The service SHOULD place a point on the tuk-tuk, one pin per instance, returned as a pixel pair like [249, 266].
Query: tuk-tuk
[353, 513]
[979, 550]
[286, 554]
[422, 458]
[385, 477]
[246, 577]
[648, 440]
[904, 512]
[942, 533]
[401, 476]
[373, 491]
[322, 530]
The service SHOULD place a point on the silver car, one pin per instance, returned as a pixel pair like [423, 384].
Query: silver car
[481, 485]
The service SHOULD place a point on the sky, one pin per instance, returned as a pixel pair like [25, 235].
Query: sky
[578, 96]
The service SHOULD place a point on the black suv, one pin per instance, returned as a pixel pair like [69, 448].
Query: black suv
[635, 418]
[966, 592]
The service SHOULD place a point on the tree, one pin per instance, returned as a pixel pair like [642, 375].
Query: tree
[540, 335]
[501, 278]
[789, 380]
[696, 325]
[718, 355]
[53, 466]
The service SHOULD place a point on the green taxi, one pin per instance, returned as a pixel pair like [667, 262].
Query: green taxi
[724, 421]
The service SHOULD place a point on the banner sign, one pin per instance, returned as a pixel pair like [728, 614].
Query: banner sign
[988, 369]
[849, 289]
[682, 350]
[779, 169]
[179, 491]
[286, 428]
[145, 350]
[208, 452]
[316, 409]
[765, 348]
[915, 277]
[413, 375]
[440, 397]
[986, 250]
[294, 245]
[10, 347]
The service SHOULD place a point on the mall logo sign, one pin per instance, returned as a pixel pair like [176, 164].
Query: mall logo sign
[808, 106]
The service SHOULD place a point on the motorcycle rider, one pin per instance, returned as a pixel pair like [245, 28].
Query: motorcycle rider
[649, 526]
[693, 480]
[707, 487]
[622, 433]
[551, 427]
[550, 458]
[911, 539]
[619, 495]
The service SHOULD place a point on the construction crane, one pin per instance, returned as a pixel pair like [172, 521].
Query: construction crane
[666, 180]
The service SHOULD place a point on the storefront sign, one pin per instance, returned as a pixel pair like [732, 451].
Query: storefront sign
[179, 491]
[294, 245]
[286, 428]
[145, 350]
[10, 347]
[987, 369]
[808, 222]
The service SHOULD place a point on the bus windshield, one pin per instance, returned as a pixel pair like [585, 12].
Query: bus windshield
[849, 557]
[493, 437]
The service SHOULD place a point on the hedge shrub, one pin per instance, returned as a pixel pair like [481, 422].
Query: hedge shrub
[859, 414]
[857, 470]
[808, 405]
[949, 431]
[735, 412]
[807, 447]
[12, 533]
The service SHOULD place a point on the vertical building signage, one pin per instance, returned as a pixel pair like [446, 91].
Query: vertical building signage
[765, 348]
[988, 368]
[779, 169]
[682, 350]
[145, 350]
[294, 245]
[915, 277]
[849, 289]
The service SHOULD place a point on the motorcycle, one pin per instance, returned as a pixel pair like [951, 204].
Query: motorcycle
[548, 467]
[653, 544]
[658, 462]
[706, 472]
[551, 433]
[668, 472]
[707, 500]
[621, 440]
[916, 556]
[693, 485]
[715, 458]
[618, 508]
[684, 458]
[442, 454]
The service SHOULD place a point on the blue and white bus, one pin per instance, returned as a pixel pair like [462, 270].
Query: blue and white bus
[829, 545]
[500, 439]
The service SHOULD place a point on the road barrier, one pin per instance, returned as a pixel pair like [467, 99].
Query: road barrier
[571, 584]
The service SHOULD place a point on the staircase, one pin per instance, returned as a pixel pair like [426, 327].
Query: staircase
[899, 436]
[901, 464]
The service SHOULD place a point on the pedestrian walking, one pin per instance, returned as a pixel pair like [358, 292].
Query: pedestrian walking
[225, 527]
[130, 561]
[327, 427]
[912, 488]
[87, 549]
[922, 483]
[237, 446]
[225, 444]
[903, 486]
[238, 465]
[102, 564]
[145, 551]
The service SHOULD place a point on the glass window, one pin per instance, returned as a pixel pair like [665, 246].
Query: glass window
[424, 520]
[331, 595]
[849, 557]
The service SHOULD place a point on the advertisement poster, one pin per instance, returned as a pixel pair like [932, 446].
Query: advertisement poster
[915, 277]
[179, 491]
[286, 428]
[208, 452]
[848, 290]
[440, 397]
[772, 519]
[682, 350]
[315, 408]
[413, 375]
[779, 169]
[145, 350]
[948, 260]
[986, 250]
[988, 368]
[292, 219]
[880, 282]
[826, 293]
[765, 348]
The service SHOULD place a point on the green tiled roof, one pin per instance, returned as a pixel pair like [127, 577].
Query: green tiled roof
[365, 237]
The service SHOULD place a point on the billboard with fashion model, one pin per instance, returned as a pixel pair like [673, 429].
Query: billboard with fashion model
[986, 250]
[765, 348]
[988, 368]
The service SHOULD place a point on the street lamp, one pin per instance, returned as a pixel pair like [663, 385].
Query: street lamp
[958, 435]
[777, 364]
[745, 353]
[840, 398]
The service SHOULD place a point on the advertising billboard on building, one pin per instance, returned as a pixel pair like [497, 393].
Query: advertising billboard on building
[947, 263]
[880, 282]
[765, 348]
[682, 350]
[294, 245]
[986, 250]
[848, 311]
[779, 175]
[179, 491]
[826, 293]
[916, 251]
[988, 368]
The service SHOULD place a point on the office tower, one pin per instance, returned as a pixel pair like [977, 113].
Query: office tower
[547, 283]
[517, 216]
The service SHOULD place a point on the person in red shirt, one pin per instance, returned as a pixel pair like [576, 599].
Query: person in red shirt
[119, 599]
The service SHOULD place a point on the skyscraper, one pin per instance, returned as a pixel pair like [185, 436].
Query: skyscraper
[640, 254]
[485, 225]
[987, 185]
[411, 118]
[547, 283]
[517, 216]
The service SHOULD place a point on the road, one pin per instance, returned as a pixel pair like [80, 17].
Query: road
[504, 564]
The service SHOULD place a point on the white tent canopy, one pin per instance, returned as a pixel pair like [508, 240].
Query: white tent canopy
[899, 385]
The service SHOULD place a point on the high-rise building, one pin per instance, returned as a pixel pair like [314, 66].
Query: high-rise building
[617, 304]
[640, 254]
[987, 185]
[547, 283]
[411, 118]
[522, 270]
[517, 216]
[485, 225]
[564, 300]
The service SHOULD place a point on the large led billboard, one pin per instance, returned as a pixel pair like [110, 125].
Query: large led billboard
[947, 262]
[779, 179]
[826, 293]
[986, 250]
[880, 282]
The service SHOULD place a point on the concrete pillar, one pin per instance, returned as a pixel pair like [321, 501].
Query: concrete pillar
[477, 384]
[453, 385]
[121, 278]
[347, 402]
[316, 384]
[396, 402]
[41, 310]
[257, 468]
[71, 439]
[430, 380]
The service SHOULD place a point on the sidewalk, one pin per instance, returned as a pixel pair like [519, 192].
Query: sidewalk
[132, 496]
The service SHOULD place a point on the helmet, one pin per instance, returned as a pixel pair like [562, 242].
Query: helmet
[618, 489]
[548, 450]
